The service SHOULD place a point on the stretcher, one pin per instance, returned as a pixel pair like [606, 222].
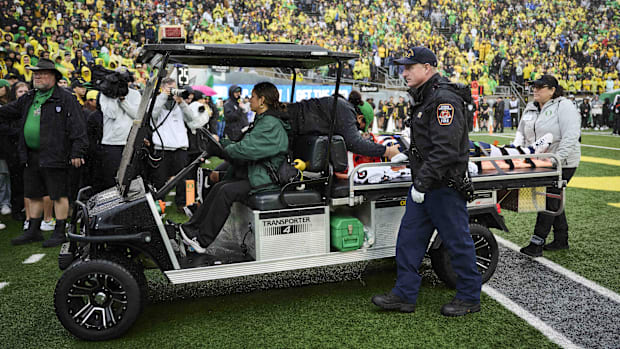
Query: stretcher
[527, 185]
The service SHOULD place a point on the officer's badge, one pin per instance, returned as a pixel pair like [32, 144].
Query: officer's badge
[419, 115]
[445, 113]
[58, 109]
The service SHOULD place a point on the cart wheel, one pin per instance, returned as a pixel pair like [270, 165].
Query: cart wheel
[487, 256]
[98, 299]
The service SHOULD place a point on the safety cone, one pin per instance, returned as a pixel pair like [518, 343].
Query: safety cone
[476, 128]
[390, 126]
[375, 127]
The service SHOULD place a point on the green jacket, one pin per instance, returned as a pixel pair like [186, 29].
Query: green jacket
[264, 144]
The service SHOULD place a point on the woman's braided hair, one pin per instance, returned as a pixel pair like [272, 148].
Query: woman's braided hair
[270, 92]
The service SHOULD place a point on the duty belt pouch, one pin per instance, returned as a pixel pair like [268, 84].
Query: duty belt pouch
[463, 186]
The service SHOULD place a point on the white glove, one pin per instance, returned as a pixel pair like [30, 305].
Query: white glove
[400, 157]
[416, 195]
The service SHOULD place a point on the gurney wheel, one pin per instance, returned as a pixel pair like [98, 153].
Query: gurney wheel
[487, 256]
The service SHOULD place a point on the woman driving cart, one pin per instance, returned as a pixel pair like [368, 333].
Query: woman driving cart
[263, 145]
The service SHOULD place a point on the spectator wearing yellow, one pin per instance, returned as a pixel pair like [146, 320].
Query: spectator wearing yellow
[86, 74]
[66, 63]
[79, 90]
[22, 68]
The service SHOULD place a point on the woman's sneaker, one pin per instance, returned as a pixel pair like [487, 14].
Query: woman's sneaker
[48, 226]
[191, 241]
[2, 226]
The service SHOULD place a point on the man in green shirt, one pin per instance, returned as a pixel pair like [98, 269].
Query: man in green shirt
[52, 139]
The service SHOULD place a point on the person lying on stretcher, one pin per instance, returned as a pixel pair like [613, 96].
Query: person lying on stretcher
[379, 174]
[482, 149]
[373, 175]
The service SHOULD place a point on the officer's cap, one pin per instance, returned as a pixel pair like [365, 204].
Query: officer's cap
[546, 80]
[417, 55]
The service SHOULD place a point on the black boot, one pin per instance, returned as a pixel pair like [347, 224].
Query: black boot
[390, 301]
[560, 242]
[459, 307]
[58, 236]
[32, 234]
[535, 247]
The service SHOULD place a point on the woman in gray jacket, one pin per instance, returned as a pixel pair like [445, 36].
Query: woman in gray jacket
[554, 114]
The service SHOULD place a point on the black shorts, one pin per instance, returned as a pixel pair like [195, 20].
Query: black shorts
[42, 181]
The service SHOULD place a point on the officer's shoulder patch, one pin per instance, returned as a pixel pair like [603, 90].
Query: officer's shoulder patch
[445, 113]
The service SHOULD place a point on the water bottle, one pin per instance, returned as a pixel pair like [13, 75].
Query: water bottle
[369, 237]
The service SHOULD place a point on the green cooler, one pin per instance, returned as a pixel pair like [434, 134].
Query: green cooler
[347, 233]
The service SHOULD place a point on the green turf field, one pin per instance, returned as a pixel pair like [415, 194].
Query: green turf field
[327, 315]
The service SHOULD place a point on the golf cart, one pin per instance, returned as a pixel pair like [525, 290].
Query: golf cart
[115, 234]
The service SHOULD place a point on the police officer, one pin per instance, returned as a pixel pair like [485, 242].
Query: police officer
[439, 156]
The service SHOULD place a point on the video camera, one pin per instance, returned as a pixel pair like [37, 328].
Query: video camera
[111, 83]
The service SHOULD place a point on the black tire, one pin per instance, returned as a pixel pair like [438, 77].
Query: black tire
[487, 256]
[136, 269]
[98, 299]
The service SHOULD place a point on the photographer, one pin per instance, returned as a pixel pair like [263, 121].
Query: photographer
[119, 105]
[169, 135]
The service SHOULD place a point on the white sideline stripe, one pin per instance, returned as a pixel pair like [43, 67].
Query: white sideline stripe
[599, 147]
[3, 284]
[583, 145]
[565, 272]
[553, 335]
[598, 134]
[34, 258]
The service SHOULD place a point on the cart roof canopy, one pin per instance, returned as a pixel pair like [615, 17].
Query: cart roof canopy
[263, 54]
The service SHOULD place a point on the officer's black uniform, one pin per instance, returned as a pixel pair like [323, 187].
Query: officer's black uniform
[439, 154]
[439, 132]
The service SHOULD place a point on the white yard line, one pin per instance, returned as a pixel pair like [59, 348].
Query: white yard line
[3, 284]
[553, 335]
[566, 273]
[34, 258]
[583, 145]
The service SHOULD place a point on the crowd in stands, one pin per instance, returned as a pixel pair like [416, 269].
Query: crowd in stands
[491, 42]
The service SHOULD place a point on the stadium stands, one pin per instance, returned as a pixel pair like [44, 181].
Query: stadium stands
[493, 42]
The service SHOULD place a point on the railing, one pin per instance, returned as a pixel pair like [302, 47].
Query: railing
[315, 77]
[390, 81]
[502, 91]
[519, 91]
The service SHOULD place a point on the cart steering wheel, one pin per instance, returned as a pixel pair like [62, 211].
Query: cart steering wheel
[211, 141]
